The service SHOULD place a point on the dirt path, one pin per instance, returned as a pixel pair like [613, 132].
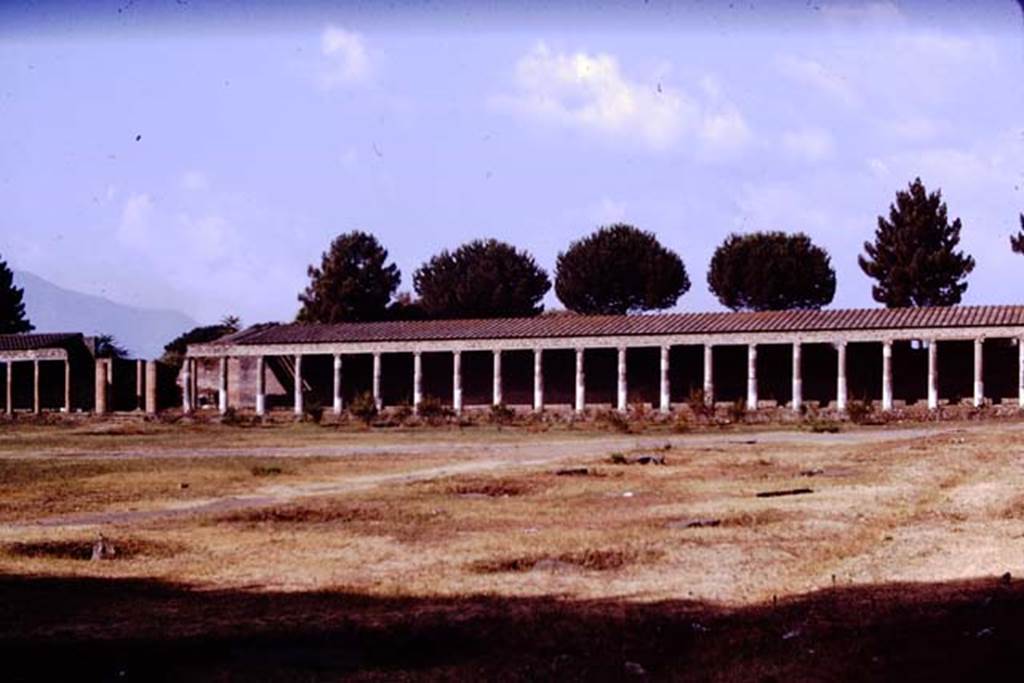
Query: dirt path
[529, 444]
[487, 457]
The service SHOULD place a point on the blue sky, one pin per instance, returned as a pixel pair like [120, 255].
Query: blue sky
[266, 130]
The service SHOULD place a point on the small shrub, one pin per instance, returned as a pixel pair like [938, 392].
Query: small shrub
[501, 414]
[638, 410]
[823, 426]
[859, 412]
[363, 407]
[615, 420]
[681, 424]
[401, 412]
[261, 471]
[433, 410]
[738, 410]
[315, 411]
[618, 459]
[698, 404]
[230, 416]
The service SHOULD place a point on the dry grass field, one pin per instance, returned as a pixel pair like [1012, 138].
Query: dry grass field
[306, 553]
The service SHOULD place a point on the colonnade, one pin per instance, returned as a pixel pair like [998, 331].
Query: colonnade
[579, 402]
[37, 406]
[146, 378]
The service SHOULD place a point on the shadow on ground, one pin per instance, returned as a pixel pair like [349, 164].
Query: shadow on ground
[57, 628]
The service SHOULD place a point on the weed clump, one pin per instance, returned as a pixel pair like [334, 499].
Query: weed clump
[501, 414]
[589, 559]
[82, 549]
[860, 412]
[616, 420]
[491, 488]
[433, 411]
[363, 407]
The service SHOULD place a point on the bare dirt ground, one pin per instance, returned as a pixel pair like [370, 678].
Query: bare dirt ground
[300, 553]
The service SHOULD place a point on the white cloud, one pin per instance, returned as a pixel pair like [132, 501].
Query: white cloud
[809, 144]
[210, 236]
[816, 75]
[779, 206]
[591, 92]
[879, 168]
[723, 131]
[915, 128]
[134, 228]
[951, 49]
[194, 181]
[143, 227]
[346, 58]
[608, 211]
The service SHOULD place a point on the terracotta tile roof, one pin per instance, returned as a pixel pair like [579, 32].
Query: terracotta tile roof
[31, 342]
[568, 325]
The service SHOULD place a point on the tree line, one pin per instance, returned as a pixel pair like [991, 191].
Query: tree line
[914, 260]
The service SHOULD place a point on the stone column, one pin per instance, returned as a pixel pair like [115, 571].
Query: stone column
[222, 386]
[752, 377]
[186, 386]
[1020, 371]
[798, 377]
[979, 367]
[538, 380]
[337, 384]
[417, 380]
[111, 403]
[67, 385]
[140, 376]
[377, 400]
[9, 405]
[101, 388]
[151, 382]
[887, 375]
[261, 385]
[665, 402]
[933, 374]
[193, 386]
[581, 383]
[841, 391]
[299, 410]
[496, 383]
[36, 407]
[622, 390]
[709, 375]
[457, 382]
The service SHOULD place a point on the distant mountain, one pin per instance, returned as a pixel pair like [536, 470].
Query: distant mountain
[142, 331]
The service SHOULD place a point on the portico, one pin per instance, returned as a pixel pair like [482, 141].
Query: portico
[578, 362]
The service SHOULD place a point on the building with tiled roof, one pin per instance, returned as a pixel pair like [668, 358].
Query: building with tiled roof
[782, 357]
[59, 372]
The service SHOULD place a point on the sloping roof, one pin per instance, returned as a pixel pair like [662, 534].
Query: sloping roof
[624, 325]
[31, 342]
